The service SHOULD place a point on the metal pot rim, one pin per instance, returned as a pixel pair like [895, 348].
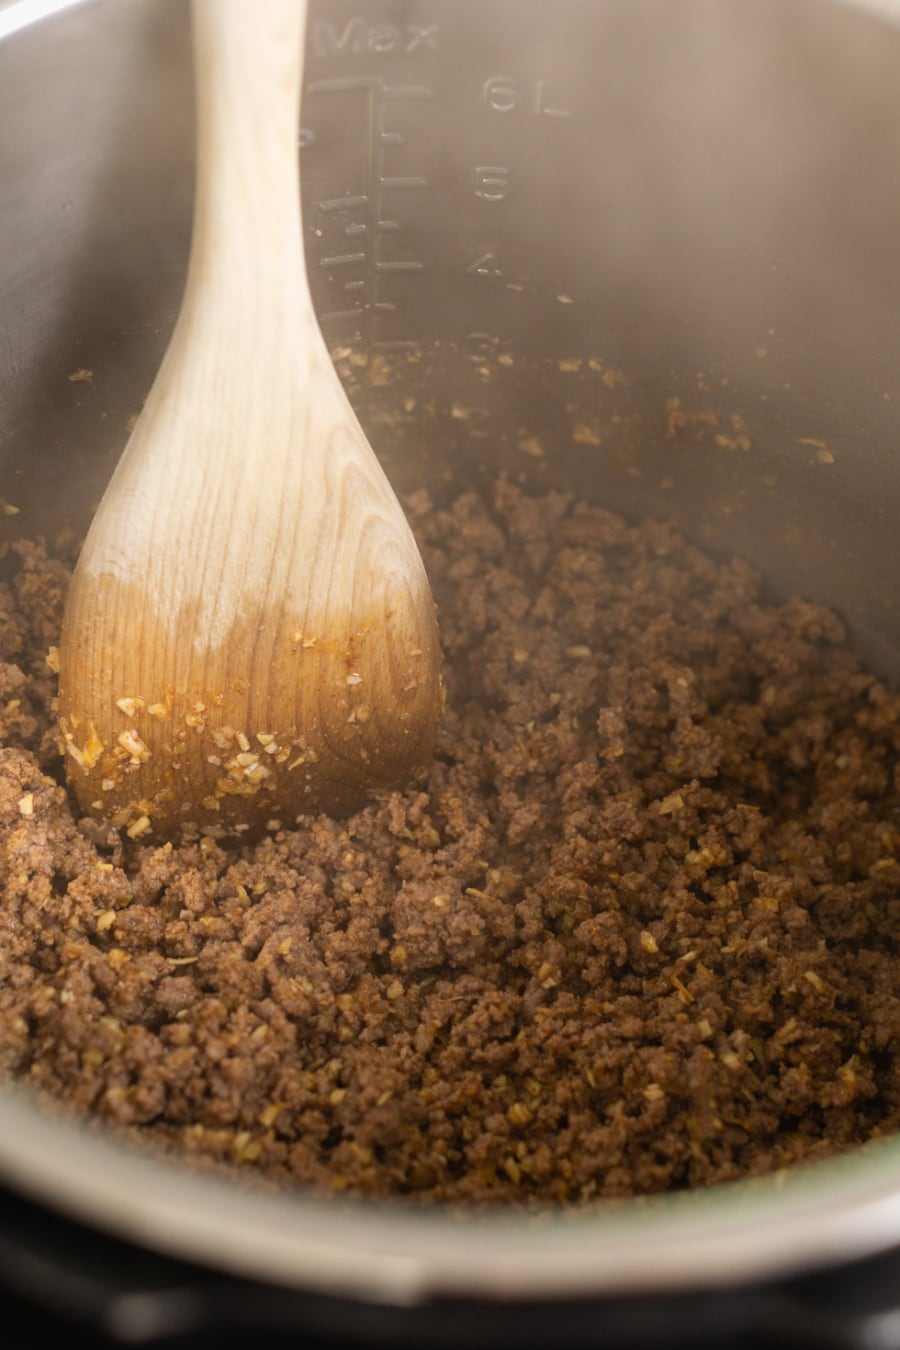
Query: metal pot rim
[400, 1253]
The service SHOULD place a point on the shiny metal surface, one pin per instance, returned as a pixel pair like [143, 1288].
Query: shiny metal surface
[696, 201]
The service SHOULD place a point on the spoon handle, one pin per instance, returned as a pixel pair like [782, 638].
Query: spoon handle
[248, 68]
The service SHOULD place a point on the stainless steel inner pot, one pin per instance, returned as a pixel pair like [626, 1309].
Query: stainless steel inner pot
[634, 203]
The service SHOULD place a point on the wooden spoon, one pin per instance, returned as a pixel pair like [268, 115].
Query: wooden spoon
[249, 633]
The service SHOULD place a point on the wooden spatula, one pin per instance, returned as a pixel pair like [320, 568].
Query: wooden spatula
[250, 633]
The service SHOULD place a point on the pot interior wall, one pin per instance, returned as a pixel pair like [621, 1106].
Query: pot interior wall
[644, 251]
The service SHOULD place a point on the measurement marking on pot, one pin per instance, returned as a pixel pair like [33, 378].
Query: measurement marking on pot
[343, 259]
[372, 221]
[504, 95]
[486, 264]
[359, 38]
[492, 182]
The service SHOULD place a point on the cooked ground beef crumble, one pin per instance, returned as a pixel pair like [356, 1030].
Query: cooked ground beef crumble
[638, 933]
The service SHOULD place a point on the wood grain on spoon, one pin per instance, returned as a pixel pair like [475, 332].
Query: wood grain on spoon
[250, 634]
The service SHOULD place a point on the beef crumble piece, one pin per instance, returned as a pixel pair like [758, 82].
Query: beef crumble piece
[638, 934]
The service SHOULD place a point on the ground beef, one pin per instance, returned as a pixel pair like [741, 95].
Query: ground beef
[638, 934]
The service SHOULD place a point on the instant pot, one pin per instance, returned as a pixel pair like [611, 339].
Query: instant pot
[633, 211]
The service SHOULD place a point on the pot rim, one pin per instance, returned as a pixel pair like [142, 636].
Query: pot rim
[400, 1253]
